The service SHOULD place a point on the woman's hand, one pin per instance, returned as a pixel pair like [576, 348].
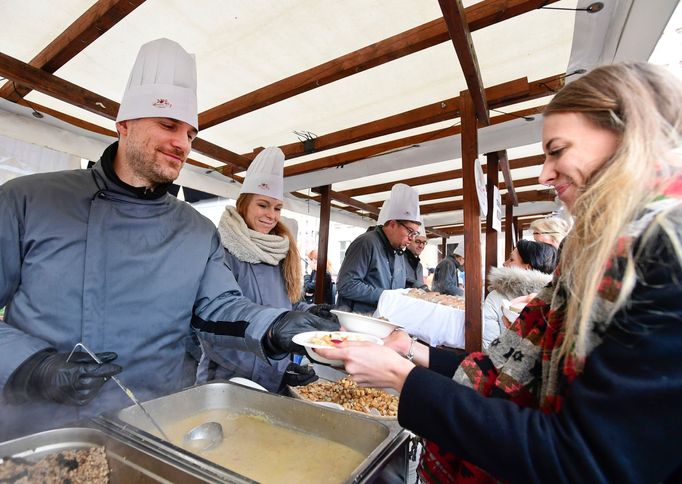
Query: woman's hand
[370, 365]
[398, 341]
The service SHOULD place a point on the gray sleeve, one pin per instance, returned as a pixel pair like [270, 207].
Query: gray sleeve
[492, 315]
[15, 345]
[223, 315]
[350, 283]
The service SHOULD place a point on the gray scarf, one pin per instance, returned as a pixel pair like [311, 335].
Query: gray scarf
[248, 245]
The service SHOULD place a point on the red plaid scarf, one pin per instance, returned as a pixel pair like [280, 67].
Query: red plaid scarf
[510, 369]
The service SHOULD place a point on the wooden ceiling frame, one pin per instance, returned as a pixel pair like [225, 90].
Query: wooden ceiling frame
[87, 28]
[437, 177]
[501, 95]
[359, 154]
[460, 35]
[478, 16]
[503, 161]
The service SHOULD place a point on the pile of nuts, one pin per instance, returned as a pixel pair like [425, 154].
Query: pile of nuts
[346, 392]
[456, 302]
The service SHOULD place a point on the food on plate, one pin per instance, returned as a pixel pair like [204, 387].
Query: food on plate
[456, 302]
[346, 392]
[333, 339]
[75, 466]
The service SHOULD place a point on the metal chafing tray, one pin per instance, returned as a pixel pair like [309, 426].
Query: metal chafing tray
[377, 441]
[127, 462]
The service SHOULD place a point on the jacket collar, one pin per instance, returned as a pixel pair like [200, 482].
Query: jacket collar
[106, 162]
[387, 244]
[411, 258]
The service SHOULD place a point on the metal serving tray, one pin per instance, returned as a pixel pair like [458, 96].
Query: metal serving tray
[374, 439]
[127, 463]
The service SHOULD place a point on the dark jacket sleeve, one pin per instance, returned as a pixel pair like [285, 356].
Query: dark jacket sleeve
[620, 421]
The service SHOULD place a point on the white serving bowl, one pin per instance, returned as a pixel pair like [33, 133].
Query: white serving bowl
[359, 323]
[304, 339]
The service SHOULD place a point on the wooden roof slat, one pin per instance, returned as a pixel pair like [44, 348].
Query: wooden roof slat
[436, 177]
[527, 196]
[66, 91]
[351, 156]
[510, 92]
[478, 16]
[455, 19]
[87, 28]
[353, 203]
[506, 173]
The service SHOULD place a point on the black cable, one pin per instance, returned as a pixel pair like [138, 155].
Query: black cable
[527, 118]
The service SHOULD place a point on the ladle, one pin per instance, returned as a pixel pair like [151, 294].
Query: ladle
[129, 393]
[205, 436]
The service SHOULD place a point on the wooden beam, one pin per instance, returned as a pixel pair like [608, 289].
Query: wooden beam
[508, 229]
[478, 16]
[490, 232]
[508, 180]
[500, 95]
[353, 203]
[472, 229]
[66, 91]
[351, 156]
[532, 196]
[460, 35]
[87, 28]
[322, 242]
[437, 177]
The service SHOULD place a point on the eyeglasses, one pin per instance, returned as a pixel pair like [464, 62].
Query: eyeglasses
[411, 234]
[420, 242]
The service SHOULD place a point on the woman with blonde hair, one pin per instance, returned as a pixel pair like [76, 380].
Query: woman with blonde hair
[262, 254]
[586, 384]
[550, 230]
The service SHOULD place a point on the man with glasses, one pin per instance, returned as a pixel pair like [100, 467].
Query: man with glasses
[413, 267]
[374, 261]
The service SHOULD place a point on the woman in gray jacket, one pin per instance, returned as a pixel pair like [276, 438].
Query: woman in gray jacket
[262, 254]
[527, 270]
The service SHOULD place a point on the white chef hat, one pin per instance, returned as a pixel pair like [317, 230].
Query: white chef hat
[404, 204]
[162, 84]
[459, 250]
[381, 219]
[265, 175]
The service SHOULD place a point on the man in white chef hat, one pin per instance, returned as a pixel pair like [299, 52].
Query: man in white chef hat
[374, 261]
[120, 265]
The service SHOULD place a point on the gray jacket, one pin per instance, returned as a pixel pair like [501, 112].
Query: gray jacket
[507, 283]
[370, 266]
[83, 259]
[414, 271]
[262, 284]
[445, 277]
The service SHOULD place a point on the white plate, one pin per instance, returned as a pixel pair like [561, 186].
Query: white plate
[303, 339]
[359, 323]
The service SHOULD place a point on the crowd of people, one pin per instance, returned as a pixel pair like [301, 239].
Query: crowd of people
[582, 386]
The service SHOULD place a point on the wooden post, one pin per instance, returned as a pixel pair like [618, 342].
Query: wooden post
[517, 232]
[472, 228]
[491, 235]
[508, 229]
[443, 248]
[323, 241]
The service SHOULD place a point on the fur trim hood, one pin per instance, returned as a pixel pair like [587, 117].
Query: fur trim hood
[514, 282]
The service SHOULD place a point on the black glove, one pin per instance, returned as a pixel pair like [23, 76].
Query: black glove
[297, 375]
[289, 324]
[49, 376]
[323, 311]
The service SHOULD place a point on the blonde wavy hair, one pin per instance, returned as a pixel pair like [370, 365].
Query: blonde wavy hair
[642, 104]
[291, 266]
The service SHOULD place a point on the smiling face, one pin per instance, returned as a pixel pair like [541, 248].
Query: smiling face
[152, 150]
[418, 244]
[574, 150]
[262, 213]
